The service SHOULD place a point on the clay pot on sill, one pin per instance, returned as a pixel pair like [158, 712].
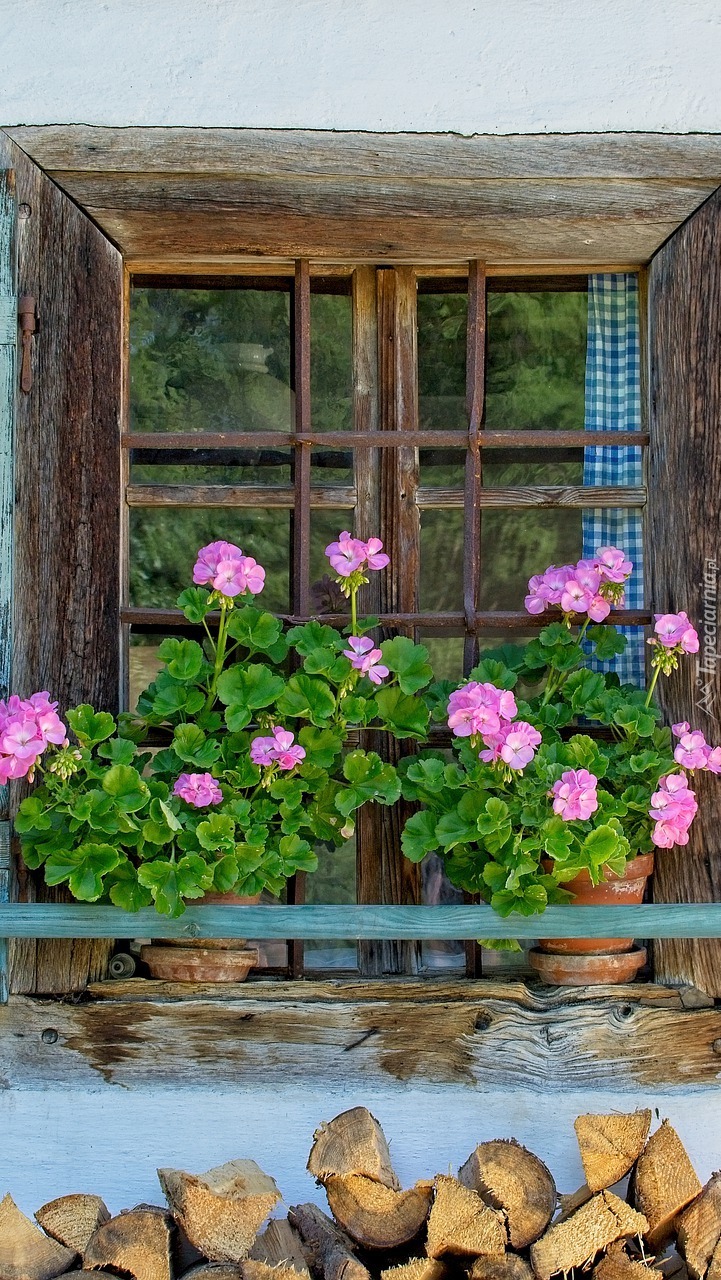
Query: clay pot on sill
[203, 959]
[576, 962]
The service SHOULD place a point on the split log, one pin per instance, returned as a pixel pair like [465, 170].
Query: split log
[461, 1224]
[252, 1269]
[699, 1228]
[222, 1210]
[573, 1201]
[507, 1176]
[510, 1267]
[71, 1220]
[137, 1241]
[665, 1182]
[210, 1271]
[376, 1216]
[575, 1242]
[280, 1242]
[617, 1265]
[714, 1269]
[417, 1269]
[610, 1145]
[25, 1252]
[352, 1143]
[331, 1249]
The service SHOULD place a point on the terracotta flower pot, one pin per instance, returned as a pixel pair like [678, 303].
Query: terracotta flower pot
[577, 961]
[203, 959]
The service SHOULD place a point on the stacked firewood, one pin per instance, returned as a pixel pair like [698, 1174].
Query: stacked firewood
[500, 1218]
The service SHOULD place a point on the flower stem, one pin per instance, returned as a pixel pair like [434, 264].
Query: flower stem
[219, 652]
[353, 610]
[652, 686]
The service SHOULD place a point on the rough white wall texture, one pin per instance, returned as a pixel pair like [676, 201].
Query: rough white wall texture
[493, 66]
[111, 1141]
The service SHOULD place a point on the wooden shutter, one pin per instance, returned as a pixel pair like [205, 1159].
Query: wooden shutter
[684, 305]
[67, 512]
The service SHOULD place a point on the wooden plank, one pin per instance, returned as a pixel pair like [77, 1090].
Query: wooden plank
[192, 234]
[501, 620]
[330, 497]
[513, 496]
[366, 437]
[66, 498]
[397, 1039]
[76, 920]
[91, 148]
[684, 307]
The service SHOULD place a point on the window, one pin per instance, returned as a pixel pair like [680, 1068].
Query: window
[275, 410]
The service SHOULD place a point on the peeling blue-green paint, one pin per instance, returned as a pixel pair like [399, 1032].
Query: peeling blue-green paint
[8, 342]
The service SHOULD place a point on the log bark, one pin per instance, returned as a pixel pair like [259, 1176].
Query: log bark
[507, 1176]
[281, 1243]
[25, 1252]
[610, 1145]
[510, 1267]
[714, 1269]
[221, 1210]
[575, 1242]
[72, 1220]
[137, 1242]
[352, 1143]
[376, 1216]
[417, 1269]
[332, 1250]
[461, 1225]
[699, 1228]
[665, 1182]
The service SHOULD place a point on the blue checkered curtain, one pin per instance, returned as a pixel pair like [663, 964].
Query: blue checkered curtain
[613, 403]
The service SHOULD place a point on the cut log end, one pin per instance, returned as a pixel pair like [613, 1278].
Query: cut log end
[252, 1269]
[511, 1267]
[72, 1220]
[418, 1269]
[25, 1252]
[577, 1241]
[353, 1143]
[610, 1145]
[665, 1183]
[221, 1211]
[136, 1242]
[376, 1216]
[508, 1177]
[699, 1228]
[461, 1225]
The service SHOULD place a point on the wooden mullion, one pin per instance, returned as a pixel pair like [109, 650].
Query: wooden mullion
[369, 880]
[475, 395]
[300, 518]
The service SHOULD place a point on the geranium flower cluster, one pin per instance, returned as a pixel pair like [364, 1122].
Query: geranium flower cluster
[198, 789]
[281, 749]
[365, 658]
[673, 809]
[693, 751]
[574, 795]
[589, 586]
[350, 555]
[27, 727]
[483, 711]
[222, 566]
[674, 635]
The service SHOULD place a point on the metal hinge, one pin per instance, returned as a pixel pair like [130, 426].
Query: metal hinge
[27, 321]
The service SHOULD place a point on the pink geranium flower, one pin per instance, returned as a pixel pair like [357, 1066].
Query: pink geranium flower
[198, 789]
[347, 555]
[262, 751]
[519, 744]
[674, 629]
[612, 564]
[280, 749]
[364, 658]
[376, 557]
[209, 558]
[478, 708]
[673, 808]
[575, 797]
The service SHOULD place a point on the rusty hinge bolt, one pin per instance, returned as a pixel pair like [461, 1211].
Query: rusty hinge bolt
[26, 320]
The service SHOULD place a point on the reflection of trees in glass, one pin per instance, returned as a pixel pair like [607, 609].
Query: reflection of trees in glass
[536, 360]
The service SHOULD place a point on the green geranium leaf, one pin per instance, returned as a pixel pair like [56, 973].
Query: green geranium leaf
[357, 710]
[171, 882]
[608, 642]
[126, 787]
[427, 774]
[216, 832]
[600, 845]
[419, 835]
[192, 747]
[183, 658]
[404, 715]
[322, 746]
[118, 751]
[258, 632]
[314, 635]
[253, 686]
[369, 779]
[307, 696]
[194, 602]
[409, 662]
[82, 869]
[90, 727]
[452, 830]
[297, 855]
[225, 874]
[124, 889]
[556, 633]
[635, 720]
[491, 671]
[32, 815]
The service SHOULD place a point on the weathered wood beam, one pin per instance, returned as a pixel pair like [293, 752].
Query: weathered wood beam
[535, 496]
[362, 1035]
[330, 497]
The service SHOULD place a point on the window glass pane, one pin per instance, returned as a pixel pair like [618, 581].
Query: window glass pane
[536, 361]
[515, 544]
[164, 542]
[504, 467]
[186, 466]
[445, 467]
[441, 574]
[445, 655]
[331, 361]
[333, 882]
[210, 360]
[442, 319]
[326, 595]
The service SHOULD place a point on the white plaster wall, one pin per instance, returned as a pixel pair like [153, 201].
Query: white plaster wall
[111, 1141]
[489, 66]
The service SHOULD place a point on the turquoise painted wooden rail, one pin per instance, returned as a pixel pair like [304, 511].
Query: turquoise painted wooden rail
[75, 920]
